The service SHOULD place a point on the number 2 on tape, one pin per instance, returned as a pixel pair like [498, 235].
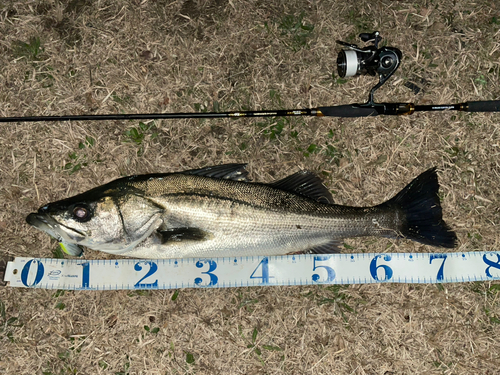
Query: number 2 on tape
[153, 267]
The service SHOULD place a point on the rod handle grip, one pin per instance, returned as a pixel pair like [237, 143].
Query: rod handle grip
[484, 106]
[347, 111]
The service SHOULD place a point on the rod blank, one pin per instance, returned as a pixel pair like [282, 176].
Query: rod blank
[349, 110]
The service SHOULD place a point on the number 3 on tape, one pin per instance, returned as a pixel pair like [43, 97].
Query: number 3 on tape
[212, 265]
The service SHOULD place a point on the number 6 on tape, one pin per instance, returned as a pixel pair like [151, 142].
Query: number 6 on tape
[374, 268]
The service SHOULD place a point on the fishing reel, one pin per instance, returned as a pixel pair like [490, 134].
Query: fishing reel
[370, 60]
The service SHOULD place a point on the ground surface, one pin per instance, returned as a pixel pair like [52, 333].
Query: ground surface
[82, 56]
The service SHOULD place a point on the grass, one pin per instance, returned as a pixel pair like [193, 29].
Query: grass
[80, 159]
[295, 31]
[138, 135]
[82, 57]
[31, 50]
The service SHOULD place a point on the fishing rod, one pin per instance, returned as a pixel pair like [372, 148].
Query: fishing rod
[352, 61]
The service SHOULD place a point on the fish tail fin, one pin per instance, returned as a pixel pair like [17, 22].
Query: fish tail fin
[422, 213]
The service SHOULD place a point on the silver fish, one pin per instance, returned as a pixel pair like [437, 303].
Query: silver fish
[217, 212]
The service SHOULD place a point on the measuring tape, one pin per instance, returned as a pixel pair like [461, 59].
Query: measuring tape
[303, 269]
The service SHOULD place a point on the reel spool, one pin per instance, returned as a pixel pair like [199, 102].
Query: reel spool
[370, 60]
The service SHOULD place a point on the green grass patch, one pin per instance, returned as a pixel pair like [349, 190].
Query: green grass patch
[151, 330]
[334, 295]
[140, 133]
[60, 306]
[175, 295]
[7, 324]
[258, 349]
[126, 368]
[294, 32]
[31, 50]
[189, 358]
[58, 252]
[79, 158]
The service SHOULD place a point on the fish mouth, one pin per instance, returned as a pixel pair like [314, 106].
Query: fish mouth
[59, 231]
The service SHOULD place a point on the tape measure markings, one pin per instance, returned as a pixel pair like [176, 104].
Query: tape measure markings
[299, 269]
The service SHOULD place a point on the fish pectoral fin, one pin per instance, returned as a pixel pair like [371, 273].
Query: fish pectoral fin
[331, 247]
[305, 183]
[233, 171]
[183, 234]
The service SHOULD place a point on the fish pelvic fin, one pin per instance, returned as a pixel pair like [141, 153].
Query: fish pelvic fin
[422, 213]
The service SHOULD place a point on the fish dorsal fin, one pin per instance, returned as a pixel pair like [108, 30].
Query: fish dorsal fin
[234, 171]
[305, 183]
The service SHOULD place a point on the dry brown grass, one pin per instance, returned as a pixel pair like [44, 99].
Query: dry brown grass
[147, 56]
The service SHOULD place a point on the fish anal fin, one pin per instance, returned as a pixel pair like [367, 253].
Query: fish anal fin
[234, 171]
[332, 247]
[305, 183]
[183, 234]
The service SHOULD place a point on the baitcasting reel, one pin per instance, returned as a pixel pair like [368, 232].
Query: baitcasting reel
[371, 60]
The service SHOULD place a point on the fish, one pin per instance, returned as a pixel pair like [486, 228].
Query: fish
[218, 212]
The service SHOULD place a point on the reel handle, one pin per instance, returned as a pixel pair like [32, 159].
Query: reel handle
[367, 37]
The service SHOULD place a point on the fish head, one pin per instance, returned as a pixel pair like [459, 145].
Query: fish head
[112, 221]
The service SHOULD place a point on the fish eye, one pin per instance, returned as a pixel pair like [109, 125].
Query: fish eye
[81, 213]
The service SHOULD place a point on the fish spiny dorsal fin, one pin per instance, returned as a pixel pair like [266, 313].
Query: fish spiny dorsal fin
[305, 183]
[236, 172]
